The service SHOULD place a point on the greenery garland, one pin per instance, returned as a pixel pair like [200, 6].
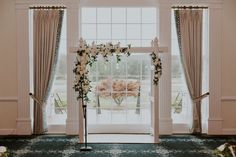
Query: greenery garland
[87, 55]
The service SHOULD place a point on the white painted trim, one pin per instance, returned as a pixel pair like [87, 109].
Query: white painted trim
[166, 126]
[23, 126]
[164, 20]
[7, 131]
[8, 98]
[228, 98]
[229, 131]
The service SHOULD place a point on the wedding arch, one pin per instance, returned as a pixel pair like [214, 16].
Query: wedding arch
[87, 54]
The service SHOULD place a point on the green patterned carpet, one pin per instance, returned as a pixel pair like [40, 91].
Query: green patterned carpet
[67, 146]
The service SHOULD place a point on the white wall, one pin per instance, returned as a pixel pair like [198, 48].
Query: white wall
[229, 67]
[8, 67]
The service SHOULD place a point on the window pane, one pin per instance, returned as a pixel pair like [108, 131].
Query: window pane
[134, 66]
[133, 31]
[175, 47]
[118, 15]
[118, 31]
[146, 43]
[122, 42]
[149, 15]
[134, 43]
[104, 31]
[104, 15]
[133, 15]
[103, 41]
[148, 31]
[89, 31]
[89, 15]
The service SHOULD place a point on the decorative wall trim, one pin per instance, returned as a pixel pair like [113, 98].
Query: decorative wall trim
[215, 126]
[23, 126]
[7, 131]
[229, 131]
[228, 98]
[8, 98]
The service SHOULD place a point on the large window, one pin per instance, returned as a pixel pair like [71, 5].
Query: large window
[135, 26]
[121, 92]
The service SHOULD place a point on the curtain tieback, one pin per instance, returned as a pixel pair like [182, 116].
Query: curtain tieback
[40, 102]
[197, 99]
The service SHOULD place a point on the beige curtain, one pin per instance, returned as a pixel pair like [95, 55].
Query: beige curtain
[46, 35]
[189, 30]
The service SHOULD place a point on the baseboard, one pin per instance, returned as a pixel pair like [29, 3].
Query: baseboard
[24, 126]
[166, 126]
[215, 126]
[229, 131]
[7, 131]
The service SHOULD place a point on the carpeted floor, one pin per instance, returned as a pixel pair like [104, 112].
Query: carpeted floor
[67, 146]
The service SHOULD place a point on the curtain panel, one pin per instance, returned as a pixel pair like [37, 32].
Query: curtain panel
[189, 31]
[47, 26]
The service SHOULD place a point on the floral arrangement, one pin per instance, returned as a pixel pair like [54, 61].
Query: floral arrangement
[156, 61]
[226, 150]
[87, 55]
[3, 151]
[120, 89]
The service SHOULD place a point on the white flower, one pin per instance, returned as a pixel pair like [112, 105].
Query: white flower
[3, 149]
[222, 147]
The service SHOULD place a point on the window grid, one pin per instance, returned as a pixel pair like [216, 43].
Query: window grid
[141, 40]
[98, 76]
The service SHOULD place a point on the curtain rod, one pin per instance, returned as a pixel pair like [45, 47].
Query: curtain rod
[189, 7]
[47, 7]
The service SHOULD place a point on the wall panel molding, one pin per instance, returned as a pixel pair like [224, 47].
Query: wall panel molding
[7, 131]
[229, 131]
[228, 98]
[8, 99]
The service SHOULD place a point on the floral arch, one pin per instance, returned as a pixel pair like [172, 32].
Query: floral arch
[87, 55]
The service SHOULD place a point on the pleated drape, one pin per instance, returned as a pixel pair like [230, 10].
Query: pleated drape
[189, 31]
[47, 26]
